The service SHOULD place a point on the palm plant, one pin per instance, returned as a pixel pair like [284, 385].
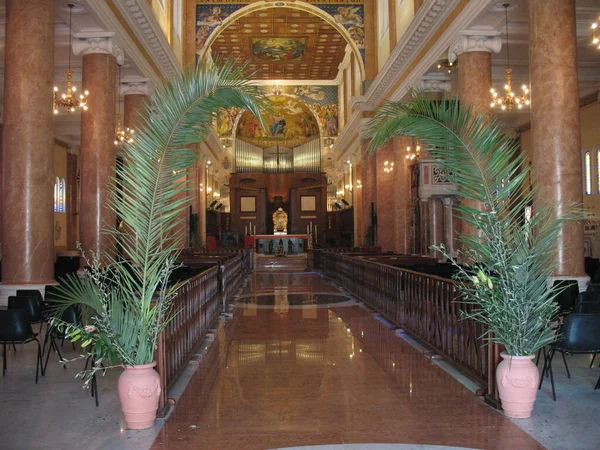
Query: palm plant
[130, 302]
[511, 257]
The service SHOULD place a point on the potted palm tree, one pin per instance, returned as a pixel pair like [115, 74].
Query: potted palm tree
[511, 258]
[127, 304]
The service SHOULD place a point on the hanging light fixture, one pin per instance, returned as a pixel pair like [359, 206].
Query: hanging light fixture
[595, 34]
[446, 66]
[510, 99]
[69, 101]
[413, 154]
[388, 166]
[122, 134]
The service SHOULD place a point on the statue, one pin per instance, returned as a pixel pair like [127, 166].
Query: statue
[280, 221]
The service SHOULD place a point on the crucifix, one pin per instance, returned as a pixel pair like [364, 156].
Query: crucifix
[277, 154]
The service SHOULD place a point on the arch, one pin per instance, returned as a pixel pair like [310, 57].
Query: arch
[292, 5]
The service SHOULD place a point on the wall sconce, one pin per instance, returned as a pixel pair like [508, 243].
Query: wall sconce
[358, 184]
[201, 187]
[388, 166]
[349, 187]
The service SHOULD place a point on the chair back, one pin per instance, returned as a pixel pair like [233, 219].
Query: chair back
[588, 307]
[27, 303]
[15, 325]
[31, 293]
[50, 292]
[568, 294]
[70, 315]
[581, 332]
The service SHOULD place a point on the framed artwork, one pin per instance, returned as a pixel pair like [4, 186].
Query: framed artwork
[247, 204]
[308, 203]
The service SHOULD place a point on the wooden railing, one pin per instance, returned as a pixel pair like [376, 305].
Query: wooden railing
[198, 304]
[425, 306]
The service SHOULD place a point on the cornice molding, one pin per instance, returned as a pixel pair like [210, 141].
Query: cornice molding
[423, 26]
[130, 48]
[140, 17]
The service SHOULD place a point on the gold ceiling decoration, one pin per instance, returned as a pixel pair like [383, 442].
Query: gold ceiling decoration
[283, 44]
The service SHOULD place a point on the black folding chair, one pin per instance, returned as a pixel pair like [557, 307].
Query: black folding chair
[15, 328]
[580, 335]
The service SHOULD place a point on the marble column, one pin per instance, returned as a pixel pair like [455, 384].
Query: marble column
[72, 198]
[385, 199]
[449, 226]
[27, 160]
[98, 151]
[473, 52]
[359, 231]
[370, 207]
[401, 196]
[555, 127]
[135, 95]
[436, 225]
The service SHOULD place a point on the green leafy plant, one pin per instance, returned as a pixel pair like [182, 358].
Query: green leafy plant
[127, 303]
[511, 257]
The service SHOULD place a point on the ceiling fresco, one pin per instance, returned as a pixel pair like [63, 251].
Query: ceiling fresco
[290, 123]
[281, 43]
[321, 100]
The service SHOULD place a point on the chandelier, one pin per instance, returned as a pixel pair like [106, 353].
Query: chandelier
[69, 100]
[388, 166]
[413, 154]
[446, 66]
[595, 34]
[123, 134]
[510, 99]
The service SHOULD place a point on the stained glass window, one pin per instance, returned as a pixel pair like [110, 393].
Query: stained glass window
[59, 195]
[588, 173]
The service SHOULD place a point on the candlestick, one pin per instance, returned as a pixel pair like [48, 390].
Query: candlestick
[316, 234]
[254, 230]
[245, 230]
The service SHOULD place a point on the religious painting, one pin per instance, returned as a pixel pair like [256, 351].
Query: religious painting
[226, 121]
[211, 17]
[308, 203]
[312, 92]
[247, 204]
[279, 48]
[289, 122]
[328, 118]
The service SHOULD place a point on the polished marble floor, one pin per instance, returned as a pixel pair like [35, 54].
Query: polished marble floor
[319, 374]
[291, 369]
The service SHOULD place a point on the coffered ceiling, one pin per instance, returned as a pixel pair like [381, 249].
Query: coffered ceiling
[283, 44]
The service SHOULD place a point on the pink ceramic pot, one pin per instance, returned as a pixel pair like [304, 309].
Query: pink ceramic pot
[517, 378]
[139, 391]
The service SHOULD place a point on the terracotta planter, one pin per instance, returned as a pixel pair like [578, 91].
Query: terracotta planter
[517, 378]
[139, 391]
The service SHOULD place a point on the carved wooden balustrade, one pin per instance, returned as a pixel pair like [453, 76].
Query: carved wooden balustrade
[199, 304]
[425, 306]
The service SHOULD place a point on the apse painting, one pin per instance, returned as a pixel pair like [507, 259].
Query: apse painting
[289, 121]
[279, 48]
[226, 120]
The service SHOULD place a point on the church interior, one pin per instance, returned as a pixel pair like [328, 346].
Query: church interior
[296, 230]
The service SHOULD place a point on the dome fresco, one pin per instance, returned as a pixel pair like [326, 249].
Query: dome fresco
[290, 121]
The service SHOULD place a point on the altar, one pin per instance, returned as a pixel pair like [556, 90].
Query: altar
[292, 244]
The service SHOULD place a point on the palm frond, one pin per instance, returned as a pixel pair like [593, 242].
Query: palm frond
[513, 257]
[151, 198]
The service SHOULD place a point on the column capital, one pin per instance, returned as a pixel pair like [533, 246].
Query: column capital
[475, 40]
[134, 85]
[435, 82]
[97, 42]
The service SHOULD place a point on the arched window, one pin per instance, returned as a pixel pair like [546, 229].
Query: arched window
[59, 195]
[598, 168]
[587, 167]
